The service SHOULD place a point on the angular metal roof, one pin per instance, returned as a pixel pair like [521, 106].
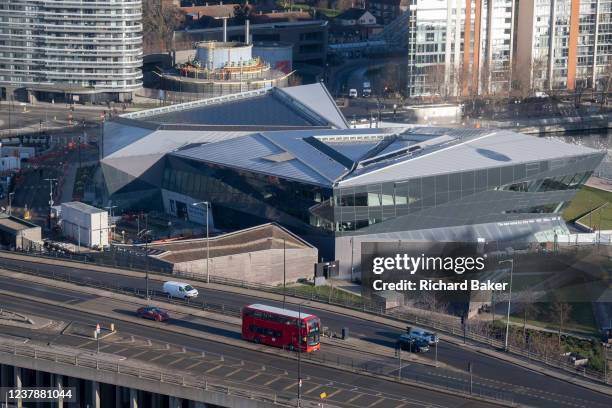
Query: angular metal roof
[252, 153]
[461, 150]
[300, 106]
[363, 156]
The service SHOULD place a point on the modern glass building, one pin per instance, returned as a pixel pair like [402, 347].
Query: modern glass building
[74, 50]
[337, 187]
[562, 44]
[460, 47]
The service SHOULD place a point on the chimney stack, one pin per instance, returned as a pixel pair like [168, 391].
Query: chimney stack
[225, 30]
[247, 31]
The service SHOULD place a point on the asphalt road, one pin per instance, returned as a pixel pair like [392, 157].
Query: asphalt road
[173, 351]
[506, 376]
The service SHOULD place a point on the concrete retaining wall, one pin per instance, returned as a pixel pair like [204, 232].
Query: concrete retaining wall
[257, 267]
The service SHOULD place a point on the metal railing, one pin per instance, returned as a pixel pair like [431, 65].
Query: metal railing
[450, 380]
[124, 368]
[348, 301]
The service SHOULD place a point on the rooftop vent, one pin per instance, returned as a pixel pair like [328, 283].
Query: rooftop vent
[279, 157]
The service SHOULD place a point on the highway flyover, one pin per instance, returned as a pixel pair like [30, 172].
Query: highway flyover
[75, 313]
[517, 383]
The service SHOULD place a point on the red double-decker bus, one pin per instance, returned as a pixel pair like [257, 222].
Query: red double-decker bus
[281, 327]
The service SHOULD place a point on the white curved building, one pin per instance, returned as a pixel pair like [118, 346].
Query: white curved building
[80, 49]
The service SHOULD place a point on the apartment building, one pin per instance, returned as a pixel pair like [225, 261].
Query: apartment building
[89, 50]
[563, 44]
[460, 47]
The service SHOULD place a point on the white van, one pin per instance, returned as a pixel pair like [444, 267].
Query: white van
[352, 93]
[180, 290]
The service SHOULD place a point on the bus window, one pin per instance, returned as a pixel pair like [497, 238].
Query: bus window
[314, 336]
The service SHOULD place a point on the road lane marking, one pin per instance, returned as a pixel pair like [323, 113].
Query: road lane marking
[251, 377]
[378, 401]
[176, 361]
[233, 372]
[290, 386]
[140, 354]
[193, 365]
[313, 388]
[157, 358]
[210, 370]
[272, 380]
[354, 398]
[334, 393]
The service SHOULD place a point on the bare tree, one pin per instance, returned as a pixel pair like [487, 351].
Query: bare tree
[159, 22]
[538, 72]
[529, 309]
[579, 89]
[605, 85]
[435, 80]
[560, 313]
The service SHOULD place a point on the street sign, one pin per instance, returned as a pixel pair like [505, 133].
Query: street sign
[323, 395]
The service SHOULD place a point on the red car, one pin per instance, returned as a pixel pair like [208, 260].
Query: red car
[153, 313]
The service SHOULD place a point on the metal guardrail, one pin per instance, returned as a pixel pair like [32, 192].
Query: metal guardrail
[124, 368]
[193, 104]
[379, 369]
[345, 300]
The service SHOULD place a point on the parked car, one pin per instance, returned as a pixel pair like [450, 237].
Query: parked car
[432, 338]
[353, 93]
[180, 290]
[421, 334]
[153, 313]
[412, 344]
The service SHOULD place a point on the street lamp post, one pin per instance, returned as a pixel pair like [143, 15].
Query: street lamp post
[511, 261]
[284, 272]
[207, 239]
[299, 388]
[50, 180]
[146, 238]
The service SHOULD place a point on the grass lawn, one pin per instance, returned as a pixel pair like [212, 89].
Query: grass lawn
[588, 199]
[323, 292]
[305, 7]
[581, 320]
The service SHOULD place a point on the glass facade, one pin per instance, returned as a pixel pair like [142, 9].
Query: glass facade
[552, 39]
[241, 198]
[320, 214]
[477, 196]
[444, 59]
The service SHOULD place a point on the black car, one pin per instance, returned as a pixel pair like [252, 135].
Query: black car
[412, 344]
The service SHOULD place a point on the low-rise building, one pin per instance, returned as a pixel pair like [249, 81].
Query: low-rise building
[355, 16]
[16, 233]
[84, 224]
[386, 11]
[257, 255]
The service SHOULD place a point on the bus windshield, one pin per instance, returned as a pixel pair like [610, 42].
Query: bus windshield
[314, 336]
